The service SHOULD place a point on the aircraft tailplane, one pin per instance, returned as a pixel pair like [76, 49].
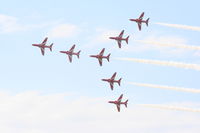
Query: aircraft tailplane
[78, 53]
[119, 81]
[127, 39]
[108, 57]
[125, 103]
[51, 47]
[147, 22]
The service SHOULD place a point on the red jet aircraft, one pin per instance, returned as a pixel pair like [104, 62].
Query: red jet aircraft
[140, 20]
[119, 102]
[100, 56]
[43, 45]
[120, 38]
[71, 52]
[112, 81]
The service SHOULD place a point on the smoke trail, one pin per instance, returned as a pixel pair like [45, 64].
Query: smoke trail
[164, 63]
[183, 46]
[169, 107]
[179, 26]
[191, 90]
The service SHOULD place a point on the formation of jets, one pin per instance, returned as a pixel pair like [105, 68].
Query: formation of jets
[100, 56]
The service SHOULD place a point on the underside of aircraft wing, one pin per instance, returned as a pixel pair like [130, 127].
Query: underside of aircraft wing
[72, 48]
[42, 51]
[100, 61]
[119, 43]
[111, 85]
[102, 52]
[70, 58]
[120, 98]
[118, 107]
[141, 16]
[45, 40]
[121, 34]
[113, 76]
[139, 25]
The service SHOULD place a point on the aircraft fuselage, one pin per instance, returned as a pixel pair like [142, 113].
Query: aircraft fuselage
[98, 56]
[110, 80]
[116, 102]
[41, 45]
[68, 52]
[117, 38]
[138, 20]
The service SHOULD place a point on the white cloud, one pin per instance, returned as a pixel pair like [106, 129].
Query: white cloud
[30, 112]
[101, 36]
[64, 31]
[104, 34]
[10, 24]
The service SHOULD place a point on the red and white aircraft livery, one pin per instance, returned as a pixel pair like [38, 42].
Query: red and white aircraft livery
[119, 102]
[43, 45]
[140, 20]
[112, 80]
[71, 52]
[120, 38]
[100, 56]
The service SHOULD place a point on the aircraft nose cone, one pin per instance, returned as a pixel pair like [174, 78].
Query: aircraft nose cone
[103, 79]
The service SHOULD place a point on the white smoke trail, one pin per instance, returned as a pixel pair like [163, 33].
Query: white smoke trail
[191, 90]
[170, 107]
[183, 46]
[179, 26]
[163, 63]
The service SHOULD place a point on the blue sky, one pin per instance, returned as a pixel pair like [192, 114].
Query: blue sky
[24, 69]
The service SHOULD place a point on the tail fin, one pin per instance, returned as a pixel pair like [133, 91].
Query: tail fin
[125, 103]
[147, 22]
[127, 39]
[119, 81]
[108, 57]
[78, 53]
[51, 47]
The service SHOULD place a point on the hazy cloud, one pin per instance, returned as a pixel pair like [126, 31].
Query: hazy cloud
[64, 31]
[101, 36]
[31, 112]
[10, 24]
